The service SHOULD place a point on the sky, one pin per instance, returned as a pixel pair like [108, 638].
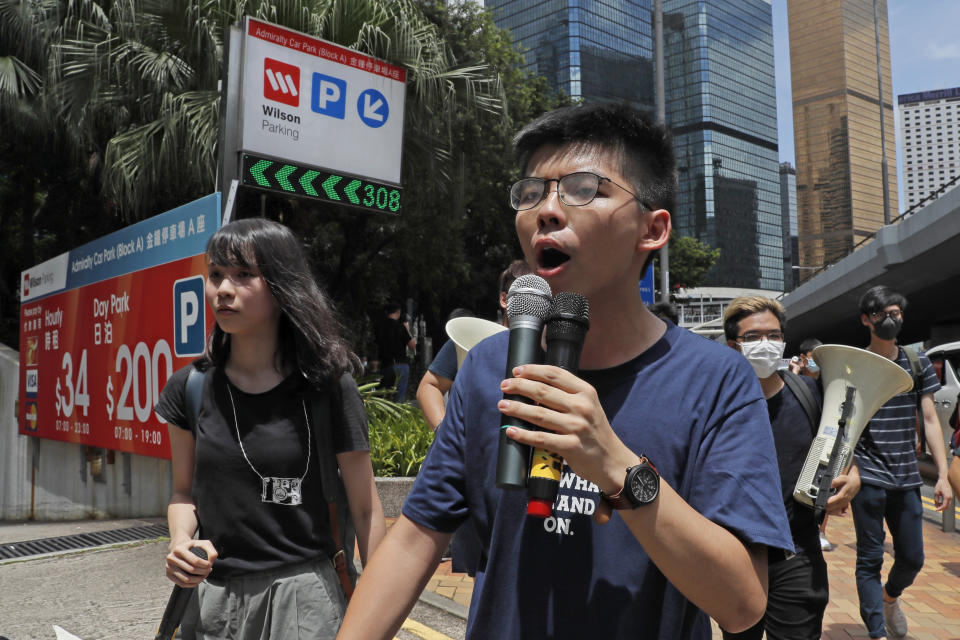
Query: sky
[924, 52]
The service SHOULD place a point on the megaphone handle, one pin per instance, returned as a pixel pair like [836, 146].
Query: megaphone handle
[826, 480]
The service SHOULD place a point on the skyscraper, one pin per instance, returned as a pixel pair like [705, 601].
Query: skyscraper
[788, 211]
[720, 105]
[930, 122]
[836, 120]
[591, 50]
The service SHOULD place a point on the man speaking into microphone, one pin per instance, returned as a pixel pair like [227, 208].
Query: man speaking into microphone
[662, 426]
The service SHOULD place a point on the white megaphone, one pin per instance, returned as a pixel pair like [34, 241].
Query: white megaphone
[467, 332]
[856, 383]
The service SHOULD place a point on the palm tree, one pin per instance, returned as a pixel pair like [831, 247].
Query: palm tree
[43, 168]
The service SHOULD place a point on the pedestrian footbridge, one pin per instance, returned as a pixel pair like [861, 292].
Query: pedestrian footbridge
[919, 257]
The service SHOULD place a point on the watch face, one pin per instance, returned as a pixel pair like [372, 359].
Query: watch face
[644, 485]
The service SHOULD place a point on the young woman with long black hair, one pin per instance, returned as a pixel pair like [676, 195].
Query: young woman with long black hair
[247, 475]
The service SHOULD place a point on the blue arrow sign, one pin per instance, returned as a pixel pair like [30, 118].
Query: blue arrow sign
[373, 109]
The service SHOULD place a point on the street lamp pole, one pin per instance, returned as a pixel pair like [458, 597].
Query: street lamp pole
[662, 119]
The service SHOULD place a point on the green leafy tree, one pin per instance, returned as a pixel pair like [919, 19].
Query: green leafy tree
[49, 166]
[122, 99]
[690, 260]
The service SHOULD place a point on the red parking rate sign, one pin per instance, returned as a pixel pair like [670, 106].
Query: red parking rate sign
[100, 375]
[103, 327]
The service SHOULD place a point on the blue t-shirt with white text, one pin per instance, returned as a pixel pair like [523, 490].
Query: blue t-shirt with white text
[694, 407]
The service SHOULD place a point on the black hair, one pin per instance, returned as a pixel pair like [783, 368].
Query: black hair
[309, 334]
[513, 271]
[880, 297]
[643, 148]
[666, 311]
[392, 307]
[460, 312]
[808, 345]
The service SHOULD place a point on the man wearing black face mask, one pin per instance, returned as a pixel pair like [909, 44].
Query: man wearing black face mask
[890, 479]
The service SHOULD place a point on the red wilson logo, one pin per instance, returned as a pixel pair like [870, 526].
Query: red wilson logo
[281, 82]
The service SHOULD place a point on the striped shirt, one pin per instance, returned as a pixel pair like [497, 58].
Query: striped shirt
[886, 452]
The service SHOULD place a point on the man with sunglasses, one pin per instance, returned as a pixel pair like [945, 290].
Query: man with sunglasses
[891, 481]
[798, 589]
[660, 424]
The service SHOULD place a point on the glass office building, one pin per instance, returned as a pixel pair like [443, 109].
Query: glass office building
[788, 212]
[591, 50]
[836, 121]
[720, 105]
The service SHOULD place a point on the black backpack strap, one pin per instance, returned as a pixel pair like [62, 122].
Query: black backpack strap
[323, 416]
[327, 411]
[807, 399]
[194, 393]
[914, 359]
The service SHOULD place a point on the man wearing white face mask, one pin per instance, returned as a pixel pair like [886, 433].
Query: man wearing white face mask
[798, 590]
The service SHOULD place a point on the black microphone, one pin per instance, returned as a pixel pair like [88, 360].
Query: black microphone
[528, 303]
[567, 327]
[177, 605]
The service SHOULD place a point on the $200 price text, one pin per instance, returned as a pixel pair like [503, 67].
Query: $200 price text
[139, 375]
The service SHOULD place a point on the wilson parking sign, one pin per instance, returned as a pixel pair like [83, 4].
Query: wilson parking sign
[306, 101]
[103, 327]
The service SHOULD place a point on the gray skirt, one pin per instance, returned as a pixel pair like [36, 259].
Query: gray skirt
[293, 603]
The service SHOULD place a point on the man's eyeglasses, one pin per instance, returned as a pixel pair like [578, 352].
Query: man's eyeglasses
[574, 189]
[880, 316]
[757, 336]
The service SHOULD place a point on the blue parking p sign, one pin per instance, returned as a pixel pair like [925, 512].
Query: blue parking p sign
[189, 320]
[329, 96]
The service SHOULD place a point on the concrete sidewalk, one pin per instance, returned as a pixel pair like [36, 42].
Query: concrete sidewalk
[932, 604]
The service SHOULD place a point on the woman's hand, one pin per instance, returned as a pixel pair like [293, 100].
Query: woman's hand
[187, 569]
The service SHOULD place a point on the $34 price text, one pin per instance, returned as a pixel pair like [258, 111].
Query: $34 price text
[130, 391]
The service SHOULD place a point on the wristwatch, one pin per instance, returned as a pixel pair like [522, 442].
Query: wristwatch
[640, 487]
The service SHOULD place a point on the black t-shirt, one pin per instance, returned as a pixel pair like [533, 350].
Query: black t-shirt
[792, 437]
[392, 339]
[249, 534]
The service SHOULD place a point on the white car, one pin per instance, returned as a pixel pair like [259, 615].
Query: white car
[946, 360]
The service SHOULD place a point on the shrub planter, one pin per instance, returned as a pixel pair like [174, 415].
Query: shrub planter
[393, 491]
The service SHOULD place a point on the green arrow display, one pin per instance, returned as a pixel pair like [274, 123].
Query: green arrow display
[329, 184]
[257, 172]
[351, 191]
[306, 181]
[282, 174]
